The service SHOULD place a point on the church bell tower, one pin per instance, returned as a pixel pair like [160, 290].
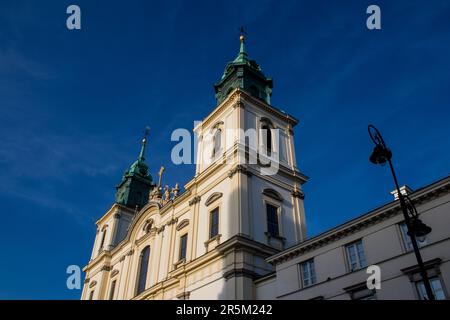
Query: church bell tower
[245, 74]
[133, 191]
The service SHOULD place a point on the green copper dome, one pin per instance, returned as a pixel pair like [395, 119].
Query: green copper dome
[134, 189]
[246, 74]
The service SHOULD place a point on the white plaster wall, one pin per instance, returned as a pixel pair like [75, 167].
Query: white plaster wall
[259, 219]
[266, 290]
[212, 288]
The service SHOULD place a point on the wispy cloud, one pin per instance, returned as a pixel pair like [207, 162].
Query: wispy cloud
[12, 60]
[41, 167]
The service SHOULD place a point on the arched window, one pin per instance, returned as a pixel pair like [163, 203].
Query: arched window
[143, 268]
[273, 202]
[102, 242]
[217, 139]
[266, 134]
[272, 213]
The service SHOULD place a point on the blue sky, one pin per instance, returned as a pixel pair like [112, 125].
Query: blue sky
[73, 105]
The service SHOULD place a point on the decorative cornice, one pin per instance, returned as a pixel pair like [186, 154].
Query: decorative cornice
[269, 108]
[272, 194]
[183, 224]
[179, 263]
[194, 200]
[290, 130]
[105, 268]
[171, 221]
[243, 242]
[356, 287]
[87, 280]
[183, 295]
[240, 272]
[298, 194]
[215, 238]
[117, 216]
[129, 253]
[427, 264]
[114, 208]
[114, 273]
[239, 169]
[239, 104]
[226, 103]
[212, 198]
[270, 236]
[159, 230]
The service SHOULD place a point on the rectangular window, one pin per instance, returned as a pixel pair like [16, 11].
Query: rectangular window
[272, 220]
[436, 287]
[111, 291]
[214, 223]
[183, 246]
[102, 242]
[407, 240]
[91, 295]
[308, 273]
[355, 255]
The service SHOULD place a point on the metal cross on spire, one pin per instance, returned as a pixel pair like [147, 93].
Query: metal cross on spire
[144, 142]
[242, 33]
[146, 132]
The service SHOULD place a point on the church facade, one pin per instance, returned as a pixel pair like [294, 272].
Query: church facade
[238, 230]
[212, 240]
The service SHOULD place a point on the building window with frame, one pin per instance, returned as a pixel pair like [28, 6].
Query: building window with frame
[355, 255]
[407, 239]
[436, 287]
[143, 269]
[214, 223]
[266, 134]
[102, 242]
[308, 273]
[273, 227]
[183, 247]
[217, 140]
[112, 290]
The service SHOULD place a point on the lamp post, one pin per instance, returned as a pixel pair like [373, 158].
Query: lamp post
[416, 228]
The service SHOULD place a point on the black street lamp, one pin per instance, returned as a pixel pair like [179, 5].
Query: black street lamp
[416, 228]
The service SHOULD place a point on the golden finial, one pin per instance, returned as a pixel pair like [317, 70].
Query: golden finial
[243, 33]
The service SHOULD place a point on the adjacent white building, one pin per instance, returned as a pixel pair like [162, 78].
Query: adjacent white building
[333, 264]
